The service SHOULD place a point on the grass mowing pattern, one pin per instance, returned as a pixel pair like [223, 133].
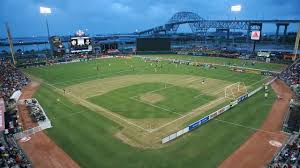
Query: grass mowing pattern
[68, 74]
[88, 137]
[178, 100]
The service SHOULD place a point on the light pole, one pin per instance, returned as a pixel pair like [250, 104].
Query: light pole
[235, 9]
[45, 11]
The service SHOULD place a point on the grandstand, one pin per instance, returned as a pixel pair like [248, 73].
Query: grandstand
[292, 77]
[288, 155]
[214, 96]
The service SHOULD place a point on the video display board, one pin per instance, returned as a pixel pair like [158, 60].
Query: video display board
[153, 44]
[81, 44]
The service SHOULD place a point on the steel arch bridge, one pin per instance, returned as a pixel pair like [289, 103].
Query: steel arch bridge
[194, 21]
[199, 25]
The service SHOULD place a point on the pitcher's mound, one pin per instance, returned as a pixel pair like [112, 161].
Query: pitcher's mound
[152, 97]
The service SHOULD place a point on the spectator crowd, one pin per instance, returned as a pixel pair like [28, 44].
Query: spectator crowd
[11, 80]
[291, 75]
[11, 156]
[289, 155]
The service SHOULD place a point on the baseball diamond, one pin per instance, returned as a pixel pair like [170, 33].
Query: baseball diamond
[195, 90]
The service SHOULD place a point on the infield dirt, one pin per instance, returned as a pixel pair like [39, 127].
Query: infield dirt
[257, 151]
[40, 149]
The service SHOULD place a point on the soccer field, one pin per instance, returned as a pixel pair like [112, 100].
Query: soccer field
[115, 111]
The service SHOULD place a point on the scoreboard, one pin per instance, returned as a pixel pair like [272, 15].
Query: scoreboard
[81, 44]
[153, 44]
[57, 46]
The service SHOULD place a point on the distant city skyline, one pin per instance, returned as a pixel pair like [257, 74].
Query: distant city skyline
[127, 16]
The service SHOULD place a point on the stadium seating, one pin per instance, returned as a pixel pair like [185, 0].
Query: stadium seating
[291, 77]
[289, 155]
[11, 156]
[11, 80]
[291, 74]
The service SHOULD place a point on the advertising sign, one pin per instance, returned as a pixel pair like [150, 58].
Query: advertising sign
[199, 122]
[255, 35]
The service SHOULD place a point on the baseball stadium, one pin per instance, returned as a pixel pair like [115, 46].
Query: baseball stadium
[225, 94]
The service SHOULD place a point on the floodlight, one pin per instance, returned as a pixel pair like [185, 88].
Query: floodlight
[45, 10]
[236, 8]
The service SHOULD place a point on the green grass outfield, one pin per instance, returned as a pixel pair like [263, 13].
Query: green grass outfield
[89, 138]
[125, 101]
[63, 75]
[220, 60]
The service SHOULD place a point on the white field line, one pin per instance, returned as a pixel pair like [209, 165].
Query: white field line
[192, 112]
[134, 98]
[94, 95]
[173, 85]
[123, 119]
[100, 93]
[165, 109]
[217, 92]
[214, 93]
[106, 111]
[219, 89]
[247, 127]
[183, 116]
[65, 116]
[259, 81]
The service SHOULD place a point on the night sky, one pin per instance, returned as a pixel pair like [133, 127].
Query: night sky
[126, 16]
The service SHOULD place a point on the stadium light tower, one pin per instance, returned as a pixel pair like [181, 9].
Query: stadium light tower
[235, 9]
[45, 11]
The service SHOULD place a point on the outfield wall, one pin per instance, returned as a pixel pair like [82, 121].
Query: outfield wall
[209, 117]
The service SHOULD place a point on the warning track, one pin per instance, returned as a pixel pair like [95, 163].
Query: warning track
[256, 151]
[41, 150]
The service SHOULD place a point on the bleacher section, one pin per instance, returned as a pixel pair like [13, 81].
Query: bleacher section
[12, 80]
[289, 154]
[291, 77]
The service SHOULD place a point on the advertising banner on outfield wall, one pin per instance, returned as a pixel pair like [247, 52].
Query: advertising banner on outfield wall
[198, 123]
[165, 140]
[254, 91]
[242, 98]
[233, 103]
[175, 135]
[212, 115]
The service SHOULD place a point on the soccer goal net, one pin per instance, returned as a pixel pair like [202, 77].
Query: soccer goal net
[235, 90]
